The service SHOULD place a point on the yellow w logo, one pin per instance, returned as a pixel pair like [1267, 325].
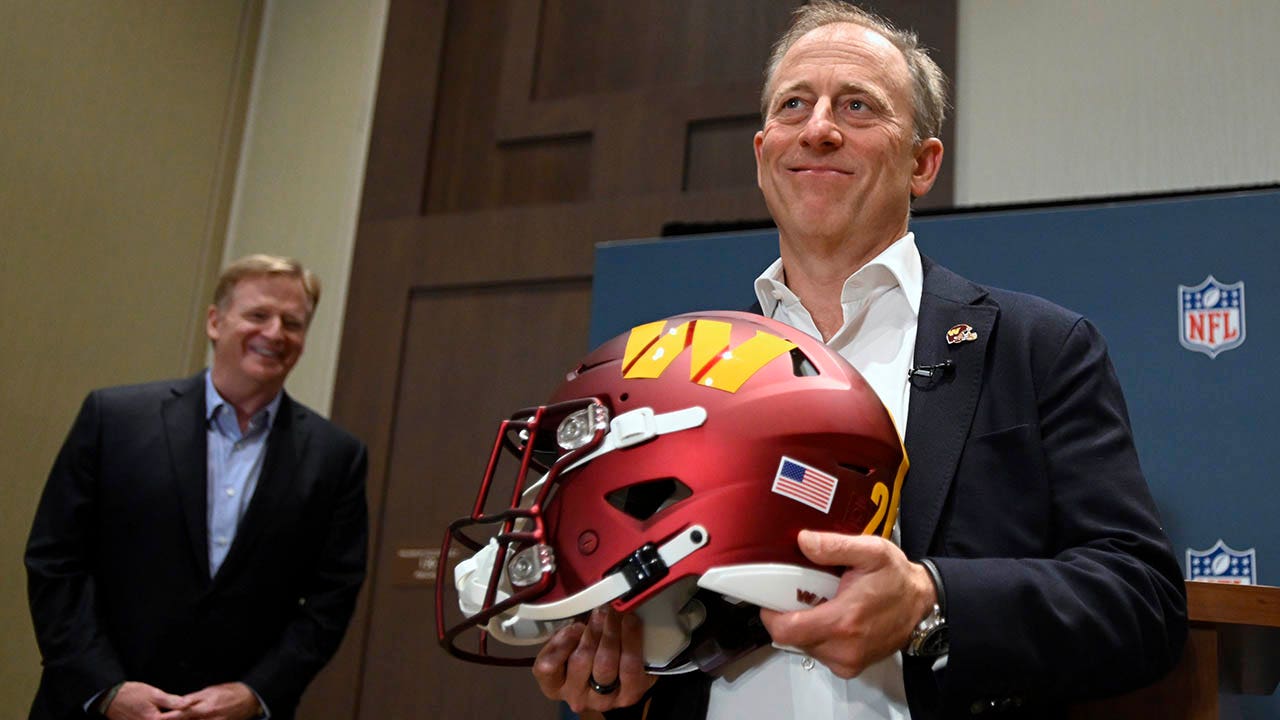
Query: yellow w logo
[713, 363]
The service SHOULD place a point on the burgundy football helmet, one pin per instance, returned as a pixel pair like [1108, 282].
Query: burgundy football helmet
[668, 476]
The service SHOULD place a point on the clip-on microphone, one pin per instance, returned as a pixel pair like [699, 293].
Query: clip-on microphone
[930, 374]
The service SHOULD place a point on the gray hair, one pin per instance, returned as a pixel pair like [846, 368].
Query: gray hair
[929, 96]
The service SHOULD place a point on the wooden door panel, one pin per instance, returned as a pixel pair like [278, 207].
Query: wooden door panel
[472, 356]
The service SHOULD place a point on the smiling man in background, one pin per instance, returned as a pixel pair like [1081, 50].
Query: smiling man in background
[200, 543]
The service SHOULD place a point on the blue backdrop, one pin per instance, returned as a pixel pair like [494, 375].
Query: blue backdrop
[1205, 427]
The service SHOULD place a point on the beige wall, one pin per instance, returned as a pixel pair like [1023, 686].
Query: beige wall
[145, 142]
[120, 126]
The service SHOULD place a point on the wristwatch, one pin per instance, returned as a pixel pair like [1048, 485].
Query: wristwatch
[930, 638]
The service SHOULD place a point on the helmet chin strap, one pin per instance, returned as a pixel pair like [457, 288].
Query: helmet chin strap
[529, 623]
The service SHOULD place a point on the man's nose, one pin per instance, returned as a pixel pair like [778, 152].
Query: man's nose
[820, 129]
[274, 327]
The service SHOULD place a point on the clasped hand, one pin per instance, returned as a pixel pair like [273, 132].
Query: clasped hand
[140, 701]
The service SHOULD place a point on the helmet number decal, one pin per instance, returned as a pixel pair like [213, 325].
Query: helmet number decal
[879, 496]
[714, 362]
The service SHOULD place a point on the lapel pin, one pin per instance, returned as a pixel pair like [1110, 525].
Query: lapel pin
[961, 333]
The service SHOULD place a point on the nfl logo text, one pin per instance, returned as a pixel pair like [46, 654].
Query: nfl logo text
[1221, 564]
[1211, 316]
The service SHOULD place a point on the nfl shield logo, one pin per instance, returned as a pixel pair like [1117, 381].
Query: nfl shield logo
[1221, 564]
[1211, 316]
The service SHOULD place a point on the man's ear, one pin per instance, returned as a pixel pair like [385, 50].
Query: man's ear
[757, 143]
[928, 161]
[211, 323]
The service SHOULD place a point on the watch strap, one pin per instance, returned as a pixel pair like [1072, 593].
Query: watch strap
[937, 584]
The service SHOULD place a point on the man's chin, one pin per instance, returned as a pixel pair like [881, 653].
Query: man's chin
[266, 374]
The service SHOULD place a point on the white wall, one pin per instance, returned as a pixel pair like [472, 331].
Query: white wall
[302, 164]
[1082, 98]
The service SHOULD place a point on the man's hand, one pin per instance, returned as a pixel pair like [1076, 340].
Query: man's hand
[228, 701]
[881, 598]
[607, 647]
[140, 701]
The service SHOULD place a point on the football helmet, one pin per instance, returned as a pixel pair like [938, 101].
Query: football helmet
[668, 476]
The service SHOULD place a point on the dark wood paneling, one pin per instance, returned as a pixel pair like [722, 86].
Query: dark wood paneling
[714, 158]
[395, 171]
[472, 356]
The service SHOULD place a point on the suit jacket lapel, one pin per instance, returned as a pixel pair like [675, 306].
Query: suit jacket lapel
[184, 426]
[285, 445]
[940, 413]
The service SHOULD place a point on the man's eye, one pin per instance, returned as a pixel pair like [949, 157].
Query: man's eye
[791, 103]
[857, 105]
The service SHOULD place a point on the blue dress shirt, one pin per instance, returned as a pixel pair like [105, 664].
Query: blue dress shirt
[234, 465]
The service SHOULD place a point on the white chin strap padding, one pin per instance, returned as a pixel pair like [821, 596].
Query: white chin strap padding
[471, 578]
[670, 617]
[530, 624]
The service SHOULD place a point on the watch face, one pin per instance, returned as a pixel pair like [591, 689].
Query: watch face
[936, 642]
[930, 638]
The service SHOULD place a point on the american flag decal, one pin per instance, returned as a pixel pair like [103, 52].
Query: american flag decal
[805, 484]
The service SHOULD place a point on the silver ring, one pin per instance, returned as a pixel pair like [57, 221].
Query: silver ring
[608, 689]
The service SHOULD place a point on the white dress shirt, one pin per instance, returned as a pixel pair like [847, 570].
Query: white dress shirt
[881, 304]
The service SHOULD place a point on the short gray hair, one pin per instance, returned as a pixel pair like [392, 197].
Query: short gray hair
[929, 84]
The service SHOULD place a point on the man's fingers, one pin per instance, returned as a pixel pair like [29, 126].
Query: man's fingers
[852, 551]
[578, 667]
[549, 666]
[605, 665]
[635, 681]
[805, 629]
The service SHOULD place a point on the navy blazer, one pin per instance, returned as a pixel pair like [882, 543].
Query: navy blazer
[1025, 491]
[118, 560]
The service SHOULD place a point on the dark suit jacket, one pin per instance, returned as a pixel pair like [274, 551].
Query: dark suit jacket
[1025, 490]
[118, 561]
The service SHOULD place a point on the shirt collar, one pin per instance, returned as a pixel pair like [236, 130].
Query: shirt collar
[901, 260]
[226, 420]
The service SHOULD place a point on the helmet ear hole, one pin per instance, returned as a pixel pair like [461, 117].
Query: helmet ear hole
[645, 499]
[862, 470]
[801, 366]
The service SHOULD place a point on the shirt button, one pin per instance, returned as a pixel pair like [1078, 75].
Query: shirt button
[807, 663]
[777, 294]
[231, 492]
[220, 540]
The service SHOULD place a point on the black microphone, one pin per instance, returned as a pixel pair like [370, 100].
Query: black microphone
[930, 374]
